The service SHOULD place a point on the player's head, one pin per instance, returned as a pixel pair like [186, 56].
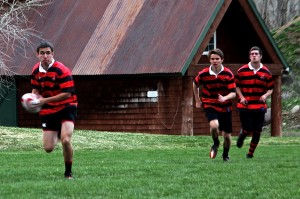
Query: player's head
[45, 53]
[44, 44]
[255, 55]
[216, 57]
[255, 48]
[216, 51]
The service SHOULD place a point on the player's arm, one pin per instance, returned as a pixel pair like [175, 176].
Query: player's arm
[196, 94]
[59, 97]
[241, 96]
[56, 98]
[231, 86]
[230, 95]
[266, 95]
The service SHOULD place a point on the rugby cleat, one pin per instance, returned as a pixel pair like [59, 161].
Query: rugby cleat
[68, 175]
[226, 159]
[240, 140]
[213, 151]
[248, 156]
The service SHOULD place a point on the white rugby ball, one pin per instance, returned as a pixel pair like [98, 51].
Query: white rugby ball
[27, 101]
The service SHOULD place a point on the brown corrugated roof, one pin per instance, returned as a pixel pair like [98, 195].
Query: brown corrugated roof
[145, 37]
[111, 37]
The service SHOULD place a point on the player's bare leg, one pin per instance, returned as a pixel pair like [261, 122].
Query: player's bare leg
[214, 131]
[226, 146]
[66, 135]
[49, 140]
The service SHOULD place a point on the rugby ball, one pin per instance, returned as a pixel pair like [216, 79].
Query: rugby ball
[30, 102]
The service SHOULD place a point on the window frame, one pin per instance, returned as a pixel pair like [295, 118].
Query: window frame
[214, 43]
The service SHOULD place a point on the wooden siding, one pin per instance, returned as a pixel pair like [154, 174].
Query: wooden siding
[122, 105]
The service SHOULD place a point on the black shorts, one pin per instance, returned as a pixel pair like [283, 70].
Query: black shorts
[224, 118]
[53, 121]
[252, 120]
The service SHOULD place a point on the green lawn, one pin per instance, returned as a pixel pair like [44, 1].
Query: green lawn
[126, 165]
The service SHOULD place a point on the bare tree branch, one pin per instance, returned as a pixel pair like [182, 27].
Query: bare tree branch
[15, 34]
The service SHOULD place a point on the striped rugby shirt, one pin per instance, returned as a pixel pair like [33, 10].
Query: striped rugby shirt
[253, 84]
[212, 85]
[57, 79]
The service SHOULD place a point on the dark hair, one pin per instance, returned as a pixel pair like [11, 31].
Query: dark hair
[255, 48]
[216, 51]
[44, 44]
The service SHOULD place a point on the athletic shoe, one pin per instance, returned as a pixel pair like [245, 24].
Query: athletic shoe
[249, 156]
[240, 140]
[68, 175]
[213, 151]
[226, 159]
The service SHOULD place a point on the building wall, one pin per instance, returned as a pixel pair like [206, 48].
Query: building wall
[122, 104]
[8, 108]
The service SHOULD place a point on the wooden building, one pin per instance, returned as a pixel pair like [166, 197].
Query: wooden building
[134, 61]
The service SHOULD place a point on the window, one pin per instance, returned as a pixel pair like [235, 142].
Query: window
[211, 45]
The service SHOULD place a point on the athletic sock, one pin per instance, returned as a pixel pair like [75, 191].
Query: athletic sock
[216, 141]
[254, 142]
[225, 152]
[68, 166]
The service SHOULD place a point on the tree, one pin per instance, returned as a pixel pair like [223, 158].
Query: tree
[15, 34]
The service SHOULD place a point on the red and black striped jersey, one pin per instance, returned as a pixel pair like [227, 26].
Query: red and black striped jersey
[57, 79]
[253, 85]
[213, 85]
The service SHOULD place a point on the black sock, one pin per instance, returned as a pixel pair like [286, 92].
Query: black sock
[216, 141]
[68, 166]
[254, 142]
[225, 152]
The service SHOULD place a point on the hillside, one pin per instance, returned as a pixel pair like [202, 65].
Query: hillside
[276, 13]
[288, 40]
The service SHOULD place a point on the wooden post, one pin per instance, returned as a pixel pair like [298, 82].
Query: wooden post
[276, 108]
[187, 106]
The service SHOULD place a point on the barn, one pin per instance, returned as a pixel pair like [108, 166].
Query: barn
[134, 61]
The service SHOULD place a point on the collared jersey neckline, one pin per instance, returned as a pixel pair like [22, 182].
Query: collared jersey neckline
[42, 70]
[211, 72]
[252, 68]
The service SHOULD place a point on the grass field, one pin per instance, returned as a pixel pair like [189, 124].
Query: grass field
[125, 165]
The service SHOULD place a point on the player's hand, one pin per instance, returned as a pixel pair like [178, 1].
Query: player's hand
[243, 101]
[35, 102]
[198, 104]
[221, 98]
[263, 99]
[38, 102]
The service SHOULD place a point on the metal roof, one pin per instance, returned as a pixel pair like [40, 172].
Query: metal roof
[137, 37]
[113, 37]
